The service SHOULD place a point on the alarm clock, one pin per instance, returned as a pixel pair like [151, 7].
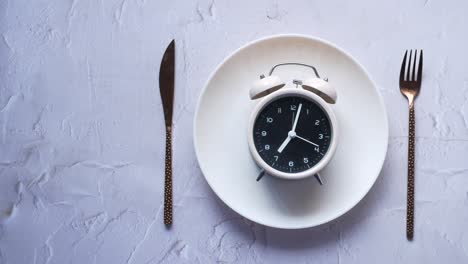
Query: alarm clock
[292, 132]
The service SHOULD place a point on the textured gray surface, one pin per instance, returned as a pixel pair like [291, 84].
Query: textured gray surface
[82, 133]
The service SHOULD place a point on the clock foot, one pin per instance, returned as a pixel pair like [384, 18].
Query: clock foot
[317, 176]
[260, 175]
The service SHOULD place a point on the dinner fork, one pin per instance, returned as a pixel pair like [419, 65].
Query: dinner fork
[410, 84]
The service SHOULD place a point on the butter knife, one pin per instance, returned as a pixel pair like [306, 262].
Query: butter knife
[166, 88]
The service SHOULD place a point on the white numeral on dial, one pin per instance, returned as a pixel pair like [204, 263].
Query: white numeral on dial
[279, 110]
[276, 158]
[291, 164]
[267, 147]
[264, 133]
[269, 120]
[293, 107]
[306, 160]
[317, 149]
[320, 136]
[317, 122]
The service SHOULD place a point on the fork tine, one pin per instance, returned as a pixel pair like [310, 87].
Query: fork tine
[403, 66]
[408, 70]
[413, 74]
[420, 67]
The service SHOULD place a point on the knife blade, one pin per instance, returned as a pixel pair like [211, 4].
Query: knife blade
[166, 82]
[166, 88]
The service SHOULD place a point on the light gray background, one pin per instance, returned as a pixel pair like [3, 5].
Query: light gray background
[82, 134]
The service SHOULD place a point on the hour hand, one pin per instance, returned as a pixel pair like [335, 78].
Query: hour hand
[284, 144]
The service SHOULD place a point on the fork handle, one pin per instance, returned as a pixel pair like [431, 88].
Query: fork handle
[168, 179]
[410, 196]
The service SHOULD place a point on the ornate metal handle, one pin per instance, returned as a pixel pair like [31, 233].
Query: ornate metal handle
[168, 179]
[294, 63]
[410, 197]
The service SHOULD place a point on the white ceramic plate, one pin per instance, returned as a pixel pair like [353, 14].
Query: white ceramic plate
[220, 135]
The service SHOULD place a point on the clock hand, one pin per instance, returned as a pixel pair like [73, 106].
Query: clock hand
[291, 133]
[285, 143]
[306, 140]
[292, 123]
[297, 117]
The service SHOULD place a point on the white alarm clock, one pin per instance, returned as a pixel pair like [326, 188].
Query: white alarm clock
[293, 131]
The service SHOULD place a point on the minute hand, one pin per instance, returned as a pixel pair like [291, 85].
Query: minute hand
[297, 118]
[306, 140]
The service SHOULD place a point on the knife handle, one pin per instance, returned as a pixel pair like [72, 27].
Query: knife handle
[168, 179]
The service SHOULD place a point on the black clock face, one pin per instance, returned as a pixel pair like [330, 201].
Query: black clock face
[292, 134]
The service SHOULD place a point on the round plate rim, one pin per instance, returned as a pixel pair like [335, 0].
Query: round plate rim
[310, 38]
